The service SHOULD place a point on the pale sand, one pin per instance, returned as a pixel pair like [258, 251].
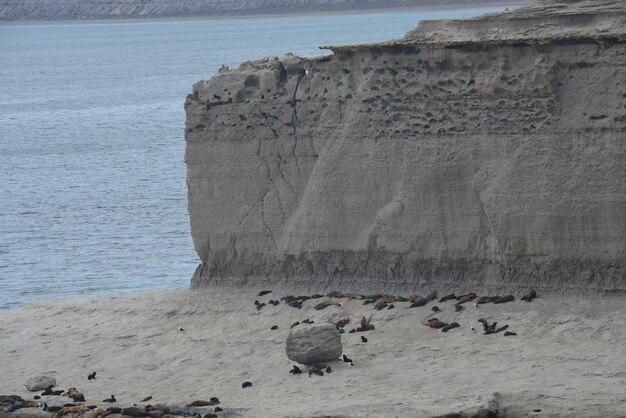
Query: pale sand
[569, 358]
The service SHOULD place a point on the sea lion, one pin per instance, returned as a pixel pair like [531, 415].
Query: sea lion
[295, 304]
[110, 400]
[450, 326]
[218, 409]
[418, 300]
[317, 369]
[504, 299]
[400, 299]
[391, 306]
[363, 339]
[447, 297]
[485, 299]
[26, 404]
[274, 327]
[114, 410]
[259, 306]
[368, 301]
[210, 415]
[380, 305]
[80, 409]
[316, 296]
[329, 370]
[334, 295]
[75, 395]
[355, 296]
[352, 331]
[274, 302]
[199, 403]
[246, 385]
[509, 333]
[136, 412]
[342, 322]
[435, 323]
[99, 412]
[91, 376]
[465, 298]
[345, 359]
[214, 400]
[457, 307]
[366, 324]
[295, 370]
[326, 304]
[435, 309]
[146, 399]
[295, 324]
[491, 329]
[532, 294]
[264, 292]
[308, 321]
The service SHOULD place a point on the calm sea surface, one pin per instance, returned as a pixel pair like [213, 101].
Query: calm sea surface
[92, 179]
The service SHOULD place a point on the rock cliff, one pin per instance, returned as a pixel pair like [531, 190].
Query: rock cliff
[483, 153]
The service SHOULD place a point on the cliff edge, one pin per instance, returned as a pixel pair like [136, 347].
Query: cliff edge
[486, 153]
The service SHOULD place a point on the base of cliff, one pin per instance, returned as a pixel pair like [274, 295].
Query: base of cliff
[565, 360]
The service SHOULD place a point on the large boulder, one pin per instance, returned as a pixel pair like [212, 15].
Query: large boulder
[307, 344]
[40, 382]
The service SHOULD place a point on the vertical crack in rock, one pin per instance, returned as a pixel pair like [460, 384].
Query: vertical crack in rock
[294, 120]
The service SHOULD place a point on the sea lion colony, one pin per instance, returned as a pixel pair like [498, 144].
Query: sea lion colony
[10, 403]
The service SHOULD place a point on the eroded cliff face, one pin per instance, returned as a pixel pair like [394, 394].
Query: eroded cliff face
[431, 162]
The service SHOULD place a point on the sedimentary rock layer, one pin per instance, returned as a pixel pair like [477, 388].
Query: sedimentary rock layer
[488, 153]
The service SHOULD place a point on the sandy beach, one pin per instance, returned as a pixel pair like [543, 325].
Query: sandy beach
[567, 359]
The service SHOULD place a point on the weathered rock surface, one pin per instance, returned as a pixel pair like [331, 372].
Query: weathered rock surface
[40, 382]
[485, 153]
[314, 343]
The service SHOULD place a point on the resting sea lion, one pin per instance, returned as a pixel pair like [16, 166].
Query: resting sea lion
[457, 307]
[137, 412]
[111, 399]
[363, 339]
[199, 403]
[316, 296]
[274, 327]
[435, 308]
[447, 297]
[452, 325]
[326, 304]
[509, 333]
[334, 295]
[366, 324]
[342, 322]
[466, 298]
[295, 324]
[354, 296]
[485, 299]
[532, 294]
[246, 385]
[435, 323]
[91, 376]
[264, 292]
[380, 305]
[146, 399]
[99, 412]
[504, 299]
[80, 409]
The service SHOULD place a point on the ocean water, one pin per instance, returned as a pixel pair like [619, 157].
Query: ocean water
[92, 179]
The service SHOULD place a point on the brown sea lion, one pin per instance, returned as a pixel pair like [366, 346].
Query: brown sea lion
[485, 299]
[504, 299]
[466, 298]
[342, 322]
[80, 409]
[435, 323]
[326, 304]
[200, 403]
[75, 395]
[380, 305]
[355, 296]
[99, 412]
[334, 295]
[136, 412]
[317, 369]
[400, 299]
[532, 294]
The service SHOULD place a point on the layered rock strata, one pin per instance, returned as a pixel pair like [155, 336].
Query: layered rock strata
[483, 153]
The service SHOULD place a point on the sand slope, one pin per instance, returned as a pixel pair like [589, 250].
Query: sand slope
[568, 359]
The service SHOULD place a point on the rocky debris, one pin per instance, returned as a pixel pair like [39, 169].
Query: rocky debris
[40, 382]
[308, 344]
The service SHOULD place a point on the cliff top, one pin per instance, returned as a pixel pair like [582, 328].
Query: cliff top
[545, 20]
